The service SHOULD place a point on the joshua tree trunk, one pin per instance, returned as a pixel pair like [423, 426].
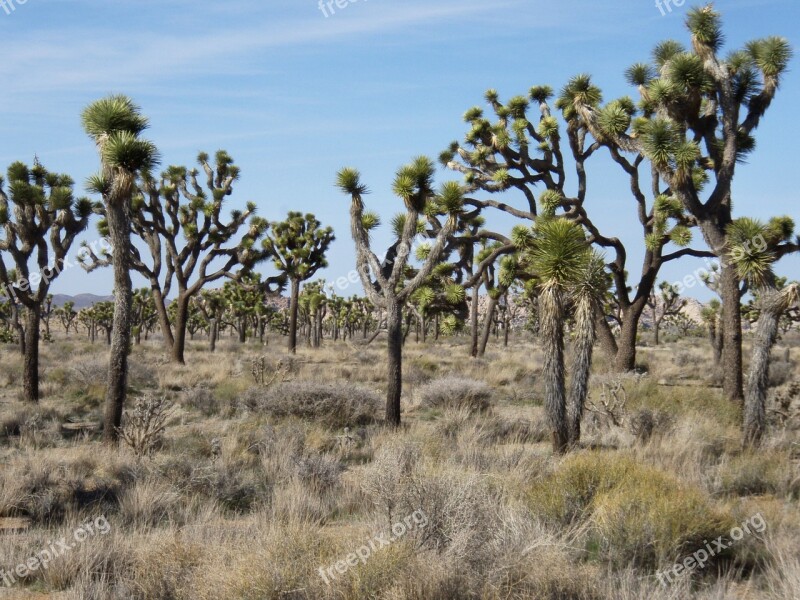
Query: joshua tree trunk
[581, 367]
[293, 305]
[394, 322]
[552, 333]
[487, 325]
[31, 359]
[163, 318]
[625, 360]
[473, 321]
[731, 334]
[715, 337]
[118, 228]
[16, 321]
[758, 378]
[213, 332]
[181, 319]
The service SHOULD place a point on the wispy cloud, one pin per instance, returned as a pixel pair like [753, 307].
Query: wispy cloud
[97, 59]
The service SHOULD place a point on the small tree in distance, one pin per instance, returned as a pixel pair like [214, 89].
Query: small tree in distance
[298, 246]
[666, 304]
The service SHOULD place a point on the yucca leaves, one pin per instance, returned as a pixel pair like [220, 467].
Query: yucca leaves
[541, 93]
[349, 181]
[559, 251]
[664, 51]
[771, 55]
[749, 251]
[639, 74]
[113, 114]
[705, 25]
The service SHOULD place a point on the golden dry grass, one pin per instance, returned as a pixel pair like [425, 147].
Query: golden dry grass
[256, 513]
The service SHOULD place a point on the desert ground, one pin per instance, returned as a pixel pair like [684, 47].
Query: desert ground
[275, 478]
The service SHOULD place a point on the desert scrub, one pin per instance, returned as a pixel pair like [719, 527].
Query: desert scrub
[455, 393]
[759, 473]
[635, 514]
[330, 404]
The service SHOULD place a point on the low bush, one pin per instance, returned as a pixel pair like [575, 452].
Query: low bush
[455, 393]
[634, 514]
[331, 404]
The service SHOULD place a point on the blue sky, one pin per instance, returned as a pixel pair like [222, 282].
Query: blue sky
[294, 95]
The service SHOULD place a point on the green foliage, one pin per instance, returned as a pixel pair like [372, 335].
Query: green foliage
[298, 245]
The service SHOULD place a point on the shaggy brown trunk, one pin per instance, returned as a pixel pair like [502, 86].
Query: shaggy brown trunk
[625, 360]
[293, 316]
[181, 319]
[715, 337]
[731, 334]
[604, 335]
[487, 325]
[394, 387]
[31, 359]
[213, 332]
[119, 233]
[755, 402]
[163, 318]
[581, 367]
[552, 333]
[15, 308]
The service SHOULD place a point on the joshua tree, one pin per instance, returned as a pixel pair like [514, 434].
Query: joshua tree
[710, 315]
[298, 246]
[212, 305]
[508, 274]
[558, 254]
[699, 114]
[41, 226]
[190, 243]
[509, 152]
[115, 123]
[754, 263]
[66, 316]
[587, 293]
[667, 303]
[387, 285]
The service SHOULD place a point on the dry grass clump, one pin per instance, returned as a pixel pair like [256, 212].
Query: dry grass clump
[334, 405]
[455, 393]
[758, 473]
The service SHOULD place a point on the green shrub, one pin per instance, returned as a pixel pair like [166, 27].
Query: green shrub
[634, 514]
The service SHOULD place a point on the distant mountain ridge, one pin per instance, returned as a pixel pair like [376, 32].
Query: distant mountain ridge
[80, 300]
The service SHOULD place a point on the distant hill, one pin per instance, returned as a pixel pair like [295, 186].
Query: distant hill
[80, 300]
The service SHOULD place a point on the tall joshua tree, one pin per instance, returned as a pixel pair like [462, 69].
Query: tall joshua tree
[699, 113]
[557, 253]
[387, 285]
[42, 226]
[754, 263]
[298, 246]
[115, 124]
